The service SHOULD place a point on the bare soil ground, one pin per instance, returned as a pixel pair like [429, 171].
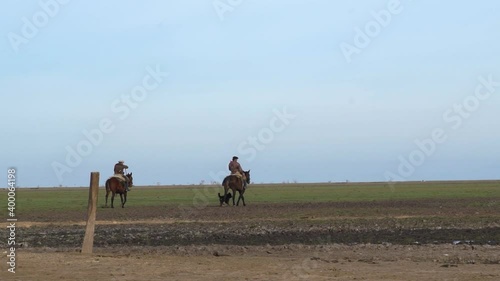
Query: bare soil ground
[393, 240]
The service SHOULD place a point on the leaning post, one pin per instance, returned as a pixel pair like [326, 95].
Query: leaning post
[88, 240]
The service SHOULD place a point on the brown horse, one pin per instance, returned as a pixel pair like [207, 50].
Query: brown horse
[115, 185]
[235, 183]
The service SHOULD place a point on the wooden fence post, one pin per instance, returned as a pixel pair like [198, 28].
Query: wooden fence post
[88, 241]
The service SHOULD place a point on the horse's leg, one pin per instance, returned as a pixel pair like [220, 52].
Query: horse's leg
[107, 193]
[112, 199]
[235, 187]
[234, 193]
[243, 197]
[124, 199]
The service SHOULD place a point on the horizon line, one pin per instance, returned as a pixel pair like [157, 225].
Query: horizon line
[274, 183]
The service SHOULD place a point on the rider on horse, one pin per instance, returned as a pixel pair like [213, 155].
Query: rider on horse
[119, 173]
[236, 170]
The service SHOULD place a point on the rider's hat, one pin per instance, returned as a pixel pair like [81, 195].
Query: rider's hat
[235, 157]
[121, 161]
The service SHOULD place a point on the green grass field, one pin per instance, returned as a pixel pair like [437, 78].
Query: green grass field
[50, 199]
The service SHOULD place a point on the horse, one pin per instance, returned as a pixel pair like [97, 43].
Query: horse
[235, 183]
[114, 185]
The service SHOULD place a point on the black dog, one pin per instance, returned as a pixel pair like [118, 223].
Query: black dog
[228, 196]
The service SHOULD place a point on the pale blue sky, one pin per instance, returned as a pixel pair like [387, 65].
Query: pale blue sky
[227, 78]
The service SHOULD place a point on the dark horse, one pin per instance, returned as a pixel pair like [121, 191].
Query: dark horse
[235, 183]
[115, 185]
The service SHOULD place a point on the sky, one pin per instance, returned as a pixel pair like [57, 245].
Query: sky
[301, 91]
